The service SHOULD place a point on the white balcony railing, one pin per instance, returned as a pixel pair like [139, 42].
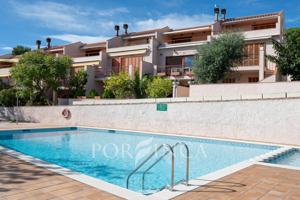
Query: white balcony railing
[86, 59]
[183, 44]
[4, 72]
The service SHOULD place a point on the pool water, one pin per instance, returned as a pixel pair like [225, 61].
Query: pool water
[111, 155]
[291, 158]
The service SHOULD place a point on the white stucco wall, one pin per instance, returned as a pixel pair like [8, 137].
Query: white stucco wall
[275, 121]
[244, 89]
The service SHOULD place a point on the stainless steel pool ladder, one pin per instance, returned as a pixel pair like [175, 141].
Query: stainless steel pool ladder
[169, 149]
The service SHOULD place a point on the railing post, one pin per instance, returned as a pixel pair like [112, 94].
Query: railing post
[172, 172]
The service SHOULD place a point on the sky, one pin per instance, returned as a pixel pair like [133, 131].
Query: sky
[22, 22]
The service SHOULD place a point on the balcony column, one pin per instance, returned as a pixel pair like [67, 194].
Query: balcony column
[261, 63]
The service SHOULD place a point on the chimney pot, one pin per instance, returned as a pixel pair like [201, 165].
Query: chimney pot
[38, 44]
[48, 40]
[125, 26]
[117, 28]
[216, 13]
[223, 12]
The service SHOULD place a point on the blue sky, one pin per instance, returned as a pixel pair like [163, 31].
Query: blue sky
[24, 21]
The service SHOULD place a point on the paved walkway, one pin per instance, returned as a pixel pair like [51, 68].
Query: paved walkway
[24, 181]
[255, 182]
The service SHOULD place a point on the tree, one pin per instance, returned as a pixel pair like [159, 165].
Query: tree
[287, 52]
[119, 86]
[159, 88]
[37, 74]
[77, 84]
[215, 59]
[20, 50]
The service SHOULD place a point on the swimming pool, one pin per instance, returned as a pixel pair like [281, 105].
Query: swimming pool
[290, 158]
[111, 155]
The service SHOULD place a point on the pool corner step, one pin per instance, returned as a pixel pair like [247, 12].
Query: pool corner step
[274, 154]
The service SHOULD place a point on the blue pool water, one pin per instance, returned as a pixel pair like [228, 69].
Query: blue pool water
[291, 158]
[111, 155]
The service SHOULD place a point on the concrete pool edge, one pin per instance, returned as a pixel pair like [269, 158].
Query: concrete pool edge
[164, 194]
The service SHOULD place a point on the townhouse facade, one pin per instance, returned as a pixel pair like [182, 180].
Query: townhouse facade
[169, 53]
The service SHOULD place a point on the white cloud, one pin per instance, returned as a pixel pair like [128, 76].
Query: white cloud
[7, 48]
[63, 17]
[76, 38]
[175, 21]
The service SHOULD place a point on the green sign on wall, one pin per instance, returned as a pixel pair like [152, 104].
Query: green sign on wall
[162, 107]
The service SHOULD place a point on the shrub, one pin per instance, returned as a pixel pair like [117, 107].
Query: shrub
[3, 85]
[93, 93]
[8, 97]
[159, 88]
[119, 86]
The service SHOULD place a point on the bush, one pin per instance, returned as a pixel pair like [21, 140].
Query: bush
[119, 87]
[159, 88]
[3, 85]
[8, 97]
[93, 93]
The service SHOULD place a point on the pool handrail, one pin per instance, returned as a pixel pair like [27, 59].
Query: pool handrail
[187, 163]
[169, 149]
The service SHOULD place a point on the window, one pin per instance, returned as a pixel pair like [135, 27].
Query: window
[252, 79]
[181, 39]
[263, 26]
[251, 55]
[74, 70]
[92, 53]
[188, 61]
[229, 80]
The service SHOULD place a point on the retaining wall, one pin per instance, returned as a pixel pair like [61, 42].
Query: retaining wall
[273, 120]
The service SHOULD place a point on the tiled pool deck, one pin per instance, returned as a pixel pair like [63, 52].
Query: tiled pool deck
[21, 180]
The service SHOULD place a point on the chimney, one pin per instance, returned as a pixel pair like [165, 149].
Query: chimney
[125, 26]
[48, 40]
[117, 28]
[223, 12]
[38, 44]
[216, 13]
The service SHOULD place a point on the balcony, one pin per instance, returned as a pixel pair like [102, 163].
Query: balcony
[261, 34]
[87, 59]
[5, 72]
[183, 44]
[175, 71]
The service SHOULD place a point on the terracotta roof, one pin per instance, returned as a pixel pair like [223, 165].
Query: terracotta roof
[94, 45]
[7, 56]
[147, 31]
[188, 28]
[54, 48]
[236, 19]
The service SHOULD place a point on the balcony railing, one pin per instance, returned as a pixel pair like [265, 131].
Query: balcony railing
[175, 70]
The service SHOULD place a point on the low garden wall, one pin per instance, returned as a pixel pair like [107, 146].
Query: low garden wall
[238, 90]
[272, 120]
